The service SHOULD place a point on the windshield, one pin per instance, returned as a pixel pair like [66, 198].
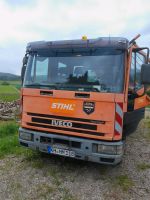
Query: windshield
[101, 71]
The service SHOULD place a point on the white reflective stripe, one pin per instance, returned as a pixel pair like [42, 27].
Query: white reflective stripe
[119, 110]
[118, 128]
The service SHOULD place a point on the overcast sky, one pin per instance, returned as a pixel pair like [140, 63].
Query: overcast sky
[22, 21]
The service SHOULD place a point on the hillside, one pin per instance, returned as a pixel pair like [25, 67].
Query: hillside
[9, 77]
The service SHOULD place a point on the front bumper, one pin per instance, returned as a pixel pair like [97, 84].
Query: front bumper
[83, 148]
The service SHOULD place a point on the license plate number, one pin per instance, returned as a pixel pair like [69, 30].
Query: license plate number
[62, 152]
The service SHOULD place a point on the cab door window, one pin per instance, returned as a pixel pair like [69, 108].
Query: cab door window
[140, 59]
[135, 78]
[135, 71]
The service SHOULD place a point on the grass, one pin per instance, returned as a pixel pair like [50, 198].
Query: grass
[9, 140]
[8, 129]
[67, 195]
[8, 89]
[37, 163]
[124, 182]
[9, 92]
[9, 146]
[10, 82]
[53, 172]
[9, 97]
[143, 166]
[44, 190]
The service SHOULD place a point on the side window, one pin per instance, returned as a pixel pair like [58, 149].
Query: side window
[140, 59]
[135, 72]
[132, 72]
[39, 69]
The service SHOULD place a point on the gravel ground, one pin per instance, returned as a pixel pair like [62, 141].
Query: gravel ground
[50, 177]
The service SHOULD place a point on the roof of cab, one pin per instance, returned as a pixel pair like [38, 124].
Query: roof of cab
[114, 42]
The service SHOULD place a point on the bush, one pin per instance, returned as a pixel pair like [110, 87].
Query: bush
[5, 83]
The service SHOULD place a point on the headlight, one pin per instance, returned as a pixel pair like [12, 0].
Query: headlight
[107, 149]
[26, 136]
[120, 149]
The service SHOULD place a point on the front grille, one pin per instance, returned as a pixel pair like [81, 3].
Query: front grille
[65, 129]
[74, 124]
[66, 118]
[67, 124]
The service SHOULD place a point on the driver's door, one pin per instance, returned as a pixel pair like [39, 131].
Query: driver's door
[136, 95]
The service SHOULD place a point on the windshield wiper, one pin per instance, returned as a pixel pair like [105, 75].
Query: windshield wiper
[77, 87]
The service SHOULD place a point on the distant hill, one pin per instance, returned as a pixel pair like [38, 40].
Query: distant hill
[9, 77]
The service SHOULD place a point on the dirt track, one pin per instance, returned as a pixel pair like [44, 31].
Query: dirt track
[57, 178]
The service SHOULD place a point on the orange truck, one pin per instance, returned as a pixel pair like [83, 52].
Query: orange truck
[80, 98]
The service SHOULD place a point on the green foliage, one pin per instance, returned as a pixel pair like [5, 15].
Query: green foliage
[18, 86]
[4, 83]
[12, 82]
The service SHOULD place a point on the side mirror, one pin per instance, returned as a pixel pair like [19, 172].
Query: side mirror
[145, 74]
[23, 73]
[24, 61]
[141, 49]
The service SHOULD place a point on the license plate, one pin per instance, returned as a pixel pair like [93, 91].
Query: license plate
[62, 152]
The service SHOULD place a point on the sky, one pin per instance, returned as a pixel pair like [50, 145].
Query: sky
[23, 21]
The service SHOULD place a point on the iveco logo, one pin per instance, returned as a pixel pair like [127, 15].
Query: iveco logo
[63, 106]
[61, 123]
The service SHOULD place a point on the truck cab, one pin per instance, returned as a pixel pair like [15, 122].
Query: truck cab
[79, 97]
